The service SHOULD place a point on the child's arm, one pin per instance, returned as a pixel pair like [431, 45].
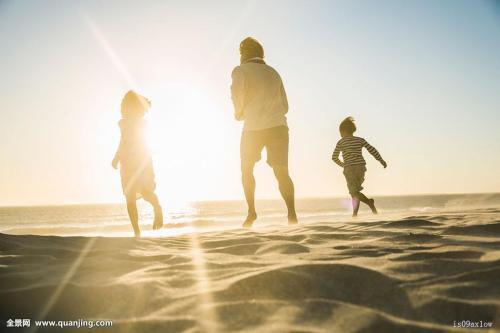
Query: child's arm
[375, 153]
[335, 156]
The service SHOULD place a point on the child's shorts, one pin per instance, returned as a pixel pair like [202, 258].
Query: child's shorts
[355, 176]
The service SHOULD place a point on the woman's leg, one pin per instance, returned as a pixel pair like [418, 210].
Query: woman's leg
[133, 214]
[153, 200]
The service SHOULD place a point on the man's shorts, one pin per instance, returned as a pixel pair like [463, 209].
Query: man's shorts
[355, 176]
[275, 140]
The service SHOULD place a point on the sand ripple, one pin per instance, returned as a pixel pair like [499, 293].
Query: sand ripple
[417, 274]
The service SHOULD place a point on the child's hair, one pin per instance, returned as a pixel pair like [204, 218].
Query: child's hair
[134, 105]
[347, 126]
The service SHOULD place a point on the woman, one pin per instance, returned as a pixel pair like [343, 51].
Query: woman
[136, 165]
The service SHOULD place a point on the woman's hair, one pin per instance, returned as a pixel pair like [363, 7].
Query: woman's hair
[134, 105]
[347, 126]
[250, 48]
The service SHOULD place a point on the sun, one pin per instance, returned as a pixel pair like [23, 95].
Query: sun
[188, 134]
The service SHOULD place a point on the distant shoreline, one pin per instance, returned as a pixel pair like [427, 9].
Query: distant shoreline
[258, 200]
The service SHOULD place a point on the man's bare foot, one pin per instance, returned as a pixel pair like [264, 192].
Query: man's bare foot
[158, 221]
[292, 219]
[251, 217]
[372, 206]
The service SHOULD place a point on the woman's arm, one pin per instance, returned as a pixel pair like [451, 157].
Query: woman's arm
[116, 158]
[118, 154]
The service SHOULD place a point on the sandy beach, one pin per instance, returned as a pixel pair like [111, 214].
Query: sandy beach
[249, 166]
[419, 273]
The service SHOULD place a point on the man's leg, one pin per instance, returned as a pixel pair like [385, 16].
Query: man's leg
[251, 146]
[248, 181]
[133, 214]
[287, 191]
[277, 143]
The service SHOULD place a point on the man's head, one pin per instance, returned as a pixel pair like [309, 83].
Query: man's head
[347, 127]
[250, 48]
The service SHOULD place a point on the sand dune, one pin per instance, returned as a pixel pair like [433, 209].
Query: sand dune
[416, 274]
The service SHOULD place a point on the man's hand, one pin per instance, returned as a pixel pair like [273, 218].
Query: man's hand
[238, 116]
[384, 163]
[114, 163]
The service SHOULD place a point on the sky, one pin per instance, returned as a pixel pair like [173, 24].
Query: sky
[421, 78]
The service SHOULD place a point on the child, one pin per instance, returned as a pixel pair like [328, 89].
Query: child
[136, 165]
[354, 164]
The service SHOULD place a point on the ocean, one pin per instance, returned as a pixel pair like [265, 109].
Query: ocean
[426, 263]
[111, 219]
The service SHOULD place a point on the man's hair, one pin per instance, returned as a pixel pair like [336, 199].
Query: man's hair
[347, 125]
[134, 105]
[251, 48]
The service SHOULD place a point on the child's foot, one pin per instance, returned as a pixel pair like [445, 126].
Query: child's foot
[249, 220]
[355, 214]
[372, 206]
[292, 219]
[158, 221]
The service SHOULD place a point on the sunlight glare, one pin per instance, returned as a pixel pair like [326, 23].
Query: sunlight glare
[187, 136]
[207, 318]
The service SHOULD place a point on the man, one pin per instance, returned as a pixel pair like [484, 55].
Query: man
[260, 101]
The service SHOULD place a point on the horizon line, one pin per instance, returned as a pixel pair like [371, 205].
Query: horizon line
[243, 200]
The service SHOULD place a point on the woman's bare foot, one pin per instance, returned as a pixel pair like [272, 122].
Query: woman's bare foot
[158, 221]
[372, 206]
[251, 217]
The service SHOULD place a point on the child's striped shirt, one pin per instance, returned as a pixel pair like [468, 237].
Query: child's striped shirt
[351, 147]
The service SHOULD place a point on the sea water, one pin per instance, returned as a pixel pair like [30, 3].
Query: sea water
[112, 220]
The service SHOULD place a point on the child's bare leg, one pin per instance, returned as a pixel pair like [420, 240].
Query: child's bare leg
[133, 215]
[372, 206]
[355, 206]
[369, 202]
[153, 200]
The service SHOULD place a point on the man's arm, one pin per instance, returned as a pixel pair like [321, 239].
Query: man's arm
[283, 96]
[335, 156]
[374, 153]
[237, 92]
